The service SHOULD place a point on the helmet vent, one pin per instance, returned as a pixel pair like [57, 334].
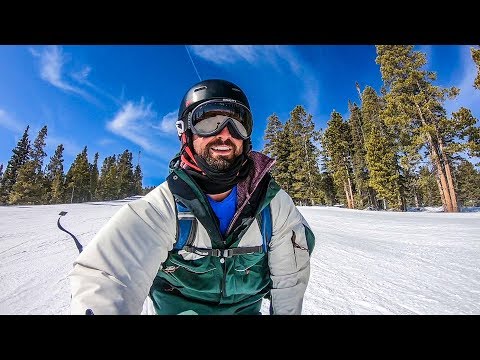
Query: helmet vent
[200, 88]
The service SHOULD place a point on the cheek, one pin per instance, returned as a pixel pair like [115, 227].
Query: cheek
[196, 146]
[239, 145]
[198, 142]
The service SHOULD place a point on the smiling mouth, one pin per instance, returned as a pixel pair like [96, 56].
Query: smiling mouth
[221, 148]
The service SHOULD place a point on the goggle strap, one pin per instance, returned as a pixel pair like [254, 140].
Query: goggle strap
[183, 138]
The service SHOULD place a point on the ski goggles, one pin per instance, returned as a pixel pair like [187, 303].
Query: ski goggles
[210, 117]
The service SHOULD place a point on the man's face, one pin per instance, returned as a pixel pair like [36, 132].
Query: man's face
[220, 150]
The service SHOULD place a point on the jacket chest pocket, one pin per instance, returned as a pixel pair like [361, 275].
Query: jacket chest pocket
[198, 266]
[247, 274]
[200, 275]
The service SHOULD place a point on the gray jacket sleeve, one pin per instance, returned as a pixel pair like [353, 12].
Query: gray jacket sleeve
[289, 256]
[116, 269]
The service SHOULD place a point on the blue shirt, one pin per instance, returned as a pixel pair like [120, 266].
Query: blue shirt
[225, 209]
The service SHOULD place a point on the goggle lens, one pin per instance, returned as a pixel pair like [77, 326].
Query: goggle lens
[209, 118]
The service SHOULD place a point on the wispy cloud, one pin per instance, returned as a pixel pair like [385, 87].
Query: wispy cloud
[305, 74]
[136, 122]
[227, 54]
[167, 124]
[469, 97]
[277, 56]
[52, 70]
[81, 77]
[8, 122]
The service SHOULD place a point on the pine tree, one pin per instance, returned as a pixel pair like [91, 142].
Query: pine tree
[303, 157]
[360, 170]
[107, 182]
[38, 152]
[427, 188]
[24, 191]
[409, 164]
[126, 182]
[381, 162]
[476, 59]
[19, 158]
[380, 153]
[468, 184]
[30, 185]
[415, 106]
[56, 177]
[461, 134]
[137, 179]
[336, 141]
[327, 185]
[278, 147]
[94, 177]
[1, 172]
[78, 179]
[274, 128]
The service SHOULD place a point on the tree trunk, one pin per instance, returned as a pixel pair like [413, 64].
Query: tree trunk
[373, 198]
[443, 180]
[351, 192]
[403, 203]
[451, 187]
[442, 195]
[347, 194]
[435, 156]
[415, 196]
[349, 188]
[310, 182]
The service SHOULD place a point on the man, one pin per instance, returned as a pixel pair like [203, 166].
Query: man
[223, 264]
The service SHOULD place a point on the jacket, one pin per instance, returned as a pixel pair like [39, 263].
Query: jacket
[131, 256]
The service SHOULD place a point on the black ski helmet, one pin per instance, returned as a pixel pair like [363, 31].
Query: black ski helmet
[208, 90]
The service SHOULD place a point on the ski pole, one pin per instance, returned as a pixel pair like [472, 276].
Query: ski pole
[77, 243]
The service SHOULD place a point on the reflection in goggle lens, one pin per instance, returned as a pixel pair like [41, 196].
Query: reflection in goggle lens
[208, 118]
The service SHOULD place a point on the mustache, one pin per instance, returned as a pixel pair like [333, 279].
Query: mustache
[219, 142]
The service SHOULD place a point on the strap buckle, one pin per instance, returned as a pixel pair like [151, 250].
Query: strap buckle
[227, 253]
[224, 253]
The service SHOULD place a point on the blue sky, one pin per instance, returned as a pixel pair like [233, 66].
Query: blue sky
[116, 97]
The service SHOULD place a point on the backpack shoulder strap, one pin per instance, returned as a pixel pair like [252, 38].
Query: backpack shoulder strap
[265, 222]
[186, 226]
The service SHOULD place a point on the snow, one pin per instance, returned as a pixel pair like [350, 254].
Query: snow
[364, 262]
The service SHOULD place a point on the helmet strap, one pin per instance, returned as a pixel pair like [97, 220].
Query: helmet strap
[187, 153]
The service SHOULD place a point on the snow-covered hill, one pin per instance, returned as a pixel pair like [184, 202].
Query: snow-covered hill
[365, 262]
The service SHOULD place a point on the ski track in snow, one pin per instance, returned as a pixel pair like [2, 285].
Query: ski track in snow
[364, 262]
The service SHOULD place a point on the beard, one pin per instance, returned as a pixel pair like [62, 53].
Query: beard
[219, 162]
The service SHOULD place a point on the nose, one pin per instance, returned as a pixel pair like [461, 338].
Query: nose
[225, 133]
